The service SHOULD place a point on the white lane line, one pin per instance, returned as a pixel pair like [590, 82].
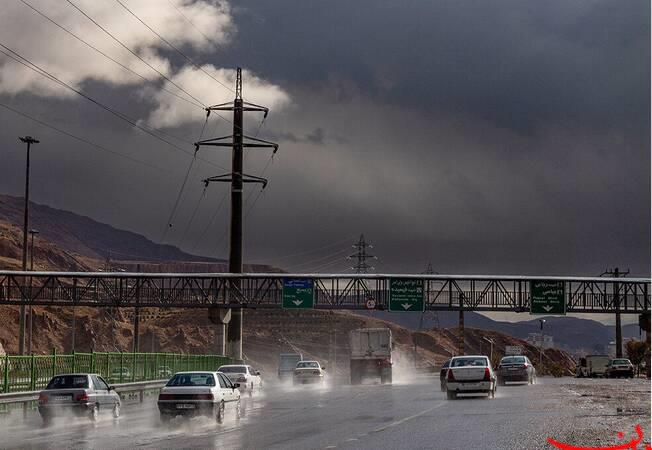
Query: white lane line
[399, 422]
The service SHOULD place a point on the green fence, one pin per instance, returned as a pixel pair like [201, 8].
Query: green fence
[29, 373]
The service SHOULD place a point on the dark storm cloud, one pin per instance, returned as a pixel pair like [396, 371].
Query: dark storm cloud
[514, 63]
[486, 137]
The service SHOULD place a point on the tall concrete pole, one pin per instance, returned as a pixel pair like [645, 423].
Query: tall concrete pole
[31, 311]
[29, 140]
[234, 333]
[619, 333]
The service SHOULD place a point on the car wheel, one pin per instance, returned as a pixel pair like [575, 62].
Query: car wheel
[94, 413]
[451, 395]
[165, 418]
[219, 416]
[116, 410]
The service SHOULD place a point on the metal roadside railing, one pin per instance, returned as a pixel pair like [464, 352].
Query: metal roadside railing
[30, 373]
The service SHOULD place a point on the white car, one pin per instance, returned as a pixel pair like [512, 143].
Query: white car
[470, 375]
[308, 372]
[199, 393]
[248, 378]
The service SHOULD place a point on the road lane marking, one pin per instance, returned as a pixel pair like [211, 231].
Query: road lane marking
[399, 422]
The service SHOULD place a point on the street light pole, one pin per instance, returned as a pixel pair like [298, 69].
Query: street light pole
[541, 322]
[29, 140]
[31, 269]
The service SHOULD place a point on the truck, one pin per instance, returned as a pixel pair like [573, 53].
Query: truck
[371, 354]
[287, 362]
[592, 366]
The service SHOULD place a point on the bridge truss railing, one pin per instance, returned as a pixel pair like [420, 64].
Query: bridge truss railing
[332, 291]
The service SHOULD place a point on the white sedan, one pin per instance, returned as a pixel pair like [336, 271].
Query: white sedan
[248, 378]
[198, 393]
[308, 372]
[470, 375]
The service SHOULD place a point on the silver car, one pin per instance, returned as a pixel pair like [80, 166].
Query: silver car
[516, 368]
[83, 394]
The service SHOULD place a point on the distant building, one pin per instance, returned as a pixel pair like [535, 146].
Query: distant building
[535, 339]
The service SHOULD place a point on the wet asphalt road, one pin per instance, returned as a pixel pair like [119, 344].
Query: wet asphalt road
[417, 415]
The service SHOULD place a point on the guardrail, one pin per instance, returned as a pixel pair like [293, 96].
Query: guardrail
[27, 399]
[29, 373]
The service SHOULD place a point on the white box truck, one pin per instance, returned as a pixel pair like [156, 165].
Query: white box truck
[592, 366]
[371, 354]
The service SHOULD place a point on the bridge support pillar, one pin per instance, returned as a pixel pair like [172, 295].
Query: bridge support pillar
[234, 335]
[220, 317]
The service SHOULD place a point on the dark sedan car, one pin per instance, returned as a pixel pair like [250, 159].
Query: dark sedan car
[442, 375]
[516, 368]
[80, 393]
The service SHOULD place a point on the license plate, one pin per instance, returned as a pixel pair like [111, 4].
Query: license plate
[61, 397]
[512, 368]
[185, 406]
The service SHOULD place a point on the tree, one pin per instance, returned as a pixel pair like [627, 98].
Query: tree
[636, 351]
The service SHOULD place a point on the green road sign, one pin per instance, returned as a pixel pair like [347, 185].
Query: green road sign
[298, 293]
[406, 295]
[547, 297]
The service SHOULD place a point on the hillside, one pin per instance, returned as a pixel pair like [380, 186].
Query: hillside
[87, 237]
[574, 334]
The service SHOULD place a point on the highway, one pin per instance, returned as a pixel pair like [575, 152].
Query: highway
[404, 415]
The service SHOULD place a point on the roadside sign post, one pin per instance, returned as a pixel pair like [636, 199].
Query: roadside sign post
[547, 297]
[406, 295]
[298, 293]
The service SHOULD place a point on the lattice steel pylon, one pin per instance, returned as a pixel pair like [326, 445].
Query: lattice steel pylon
[361, 256]
[429, 293]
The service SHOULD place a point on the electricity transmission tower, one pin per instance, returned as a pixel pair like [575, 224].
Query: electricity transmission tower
[433, 314]
[237, 178]
[361, 256]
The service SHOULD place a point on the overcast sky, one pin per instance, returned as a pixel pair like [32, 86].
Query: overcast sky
[504, 137]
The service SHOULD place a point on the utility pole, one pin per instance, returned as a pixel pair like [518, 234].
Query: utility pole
[361, 256]
[137, 314]
[237, 178]
[29, 140]
[616, 293]
[541, 322]
[31, 269]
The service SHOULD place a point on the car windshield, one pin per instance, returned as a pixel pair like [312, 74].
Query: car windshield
[461, 362]
[620, 361]
[192, 379]
[308, 365]
[232, 369]
[513, 360]
[68, 382]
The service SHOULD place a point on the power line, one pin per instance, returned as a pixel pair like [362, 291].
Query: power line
[192, 216]
[81, 139]
[172, 46]
[321, 259]
[148, 130]
[210, 222]
[134, 53]
[107, 56]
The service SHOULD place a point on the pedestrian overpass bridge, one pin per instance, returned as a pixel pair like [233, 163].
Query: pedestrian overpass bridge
[402, 292]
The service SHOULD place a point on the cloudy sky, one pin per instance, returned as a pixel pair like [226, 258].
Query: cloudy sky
[483, 137]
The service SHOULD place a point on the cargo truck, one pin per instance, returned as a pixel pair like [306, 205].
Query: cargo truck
[592, 366]
[371, 354]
